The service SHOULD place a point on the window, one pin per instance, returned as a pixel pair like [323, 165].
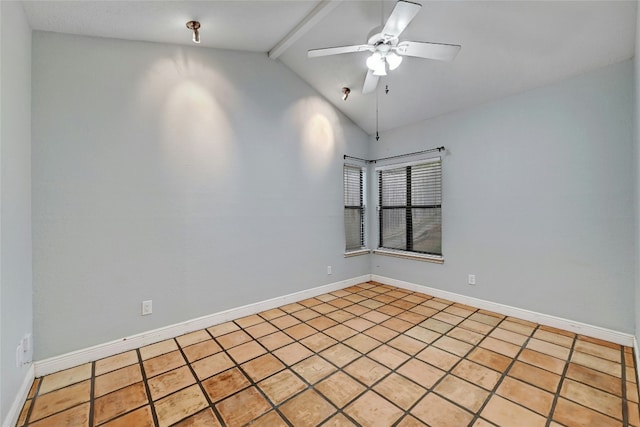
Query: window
[354, 177]
[410, 207]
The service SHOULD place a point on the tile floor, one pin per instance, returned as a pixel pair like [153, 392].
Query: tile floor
[369, 355]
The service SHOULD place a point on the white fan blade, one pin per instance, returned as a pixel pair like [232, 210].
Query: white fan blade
[439, 51]
[402, 14]
[313, 53]
[370, 83]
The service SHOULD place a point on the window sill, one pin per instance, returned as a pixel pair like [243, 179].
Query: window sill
[356, 253]
[410, 255]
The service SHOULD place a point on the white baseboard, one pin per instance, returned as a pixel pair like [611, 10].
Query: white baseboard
[79, 357]
[532, 316]
[14, 411]
[635, 354]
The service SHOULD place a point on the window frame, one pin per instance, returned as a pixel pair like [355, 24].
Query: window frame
[363, 249]
[409, 254]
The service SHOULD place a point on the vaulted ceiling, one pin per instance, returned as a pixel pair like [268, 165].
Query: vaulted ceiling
[507, 46]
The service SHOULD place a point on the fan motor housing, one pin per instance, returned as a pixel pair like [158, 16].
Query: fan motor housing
[375, 37]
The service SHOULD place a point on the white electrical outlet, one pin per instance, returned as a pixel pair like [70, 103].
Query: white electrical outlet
[147, 307]
[19, 354]
[26, 343]
[328, 269]
[472, 279]
[27, 349]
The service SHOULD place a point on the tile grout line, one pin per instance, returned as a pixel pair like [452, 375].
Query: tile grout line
[337, 342]
[503, 374]
[579, 381]
[252, 383]
[92, 393]
[314, 353]
[370, 388]
[447, 372]
[564, 377]
[623, 380]
[384, 343]
[403, 306]
[403, 310]
[515, 359]
[523, 347]
[450, 371]
[406, 412]
[199, 383]
[556, 395]
[129, 411]
[464, 357]
[309, 386]
[367, 388]
[56, 413]
[60, 411]
[33, 401]
[274, 406]
[147, 389]
[145, 379]
[635, 385]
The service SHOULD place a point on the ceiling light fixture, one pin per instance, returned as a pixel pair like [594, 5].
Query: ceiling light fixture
[376, 64]
[345, 93]
[380, 69]
[385, 46]
[383, 56]
[394, 60]
[373, 61]
[195, 27]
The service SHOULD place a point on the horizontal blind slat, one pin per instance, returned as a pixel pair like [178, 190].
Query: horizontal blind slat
[411, 200]
[354, 207]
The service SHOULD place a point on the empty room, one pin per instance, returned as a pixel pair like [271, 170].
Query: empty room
[319, 213]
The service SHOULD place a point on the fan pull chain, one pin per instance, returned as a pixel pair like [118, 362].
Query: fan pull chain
[377, 136]
[377, 115]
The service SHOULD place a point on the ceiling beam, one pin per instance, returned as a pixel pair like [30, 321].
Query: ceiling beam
[320, 11]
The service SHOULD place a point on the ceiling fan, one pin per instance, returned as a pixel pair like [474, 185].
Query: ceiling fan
[387, 50]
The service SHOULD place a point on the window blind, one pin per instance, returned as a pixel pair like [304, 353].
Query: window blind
[410, 207]
[353, 207]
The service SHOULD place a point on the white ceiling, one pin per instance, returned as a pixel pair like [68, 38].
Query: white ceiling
[240, 25]
[507, 46]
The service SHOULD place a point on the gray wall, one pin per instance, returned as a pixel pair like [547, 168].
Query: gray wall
[636, 146]
[207, 179]
[201, 179]
[15, 196]
[538, 199]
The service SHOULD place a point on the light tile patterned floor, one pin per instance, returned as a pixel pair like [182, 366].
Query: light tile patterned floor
[368, 355]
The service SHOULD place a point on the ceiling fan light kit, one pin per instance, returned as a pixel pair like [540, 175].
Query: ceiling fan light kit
[382, 57]
[377, 64]
[387, 51]
[394, 60]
